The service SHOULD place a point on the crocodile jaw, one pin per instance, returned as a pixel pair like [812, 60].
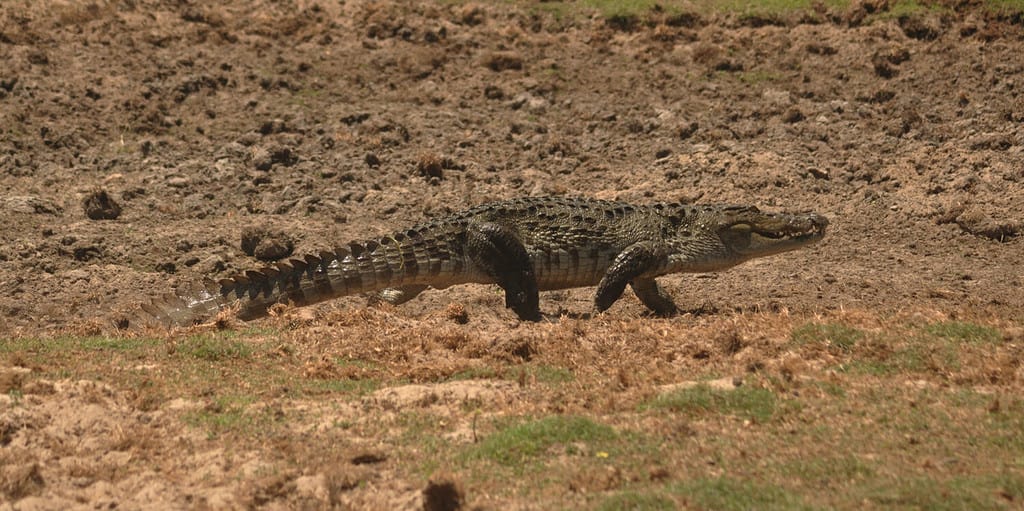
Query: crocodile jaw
[772, 234]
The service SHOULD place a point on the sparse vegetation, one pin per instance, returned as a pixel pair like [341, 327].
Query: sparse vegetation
[515, 444]
[729, 494]
[745, 402]
[212, 348]
[960, 331]
[832, 335]
[636, 501]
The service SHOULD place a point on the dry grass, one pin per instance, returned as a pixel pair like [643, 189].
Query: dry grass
[890, 411]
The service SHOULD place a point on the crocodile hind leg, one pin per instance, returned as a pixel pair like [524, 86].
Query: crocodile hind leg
[497, 251]
[653, 297]
[628, 266]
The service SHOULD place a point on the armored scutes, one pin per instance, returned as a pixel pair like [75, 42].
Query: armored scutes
[523, 245]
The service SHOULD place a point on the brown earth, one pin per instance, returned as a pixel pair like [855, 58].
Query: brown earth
[140, 139]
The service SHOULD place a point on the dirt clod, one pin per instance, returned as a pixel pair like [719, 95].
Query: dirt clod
[503, 61]
[99, 205]
[266, 244]
[978, 223]
[443, 494]
[18, 480]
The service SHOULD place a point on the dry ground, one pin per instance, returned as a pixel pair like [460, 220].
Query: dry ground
[879, 369]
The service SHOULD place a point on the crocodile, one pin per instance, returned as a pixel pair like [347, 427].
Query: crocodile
[524, 245]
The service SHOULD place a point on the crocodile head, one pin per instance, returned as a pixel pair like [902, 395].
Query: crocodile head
[717, 237]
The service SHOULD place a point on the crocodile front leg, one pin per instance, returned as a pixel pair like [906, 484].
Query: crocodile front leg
[638, 259]
[653, 297]
[497, 251]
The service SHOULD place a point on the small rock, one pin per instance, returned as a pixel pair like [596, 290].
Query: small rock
[265, 244]
[493, 92]
[372, 160]
[686, 131]
[443, 494]
[818, 173]
[472, 14]
[431, 166]
[86, 253]
[273, 126]
[261, 159]
[924, 27]
[30, 204]
[211, 265]
[991, 141]
[777, 97]
[312, 487]
[792, 115]
[978, 223]
[284, 156]
[178, 181]
[504, 60]
[99, 205]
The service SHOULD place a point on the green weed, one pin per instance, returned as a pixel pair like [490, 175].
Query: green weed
[964, 332]
[1006, 7]
[832, 335]
[67, 343]
[514, 445]
[974, 493]
[213, 347]
[549, 374]
[835, 471]
[475, 373]
[636, 501]
[231, 415]
[728, 494]
[746, 402]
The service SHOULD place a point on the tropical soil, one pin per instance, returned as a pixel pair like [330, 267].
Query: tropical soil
[140, 142]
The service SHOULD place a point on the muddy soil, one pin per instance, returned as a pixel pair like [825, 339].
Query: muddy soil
[139, 140]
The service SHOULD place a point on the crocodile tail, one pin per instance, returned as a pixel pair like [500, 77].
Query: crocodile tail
[301, 281]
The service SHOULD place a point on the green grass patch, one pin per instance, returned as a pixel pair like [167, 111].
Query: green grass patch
[422, 433]
[516, 444]
[214, 347]
[358, 363]
[67, 343]
[729, 494]
[956, 494]
[628, 8]
[756, 77]
[1005, 7]
[745, 402]
[233, 415]
[830, 388]
[342, 386]
[549, 374]
[832, 335]
[960, 331]
[928, 348]
[907, 8]
[475, 373]
[831, 472]
[636, 501]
